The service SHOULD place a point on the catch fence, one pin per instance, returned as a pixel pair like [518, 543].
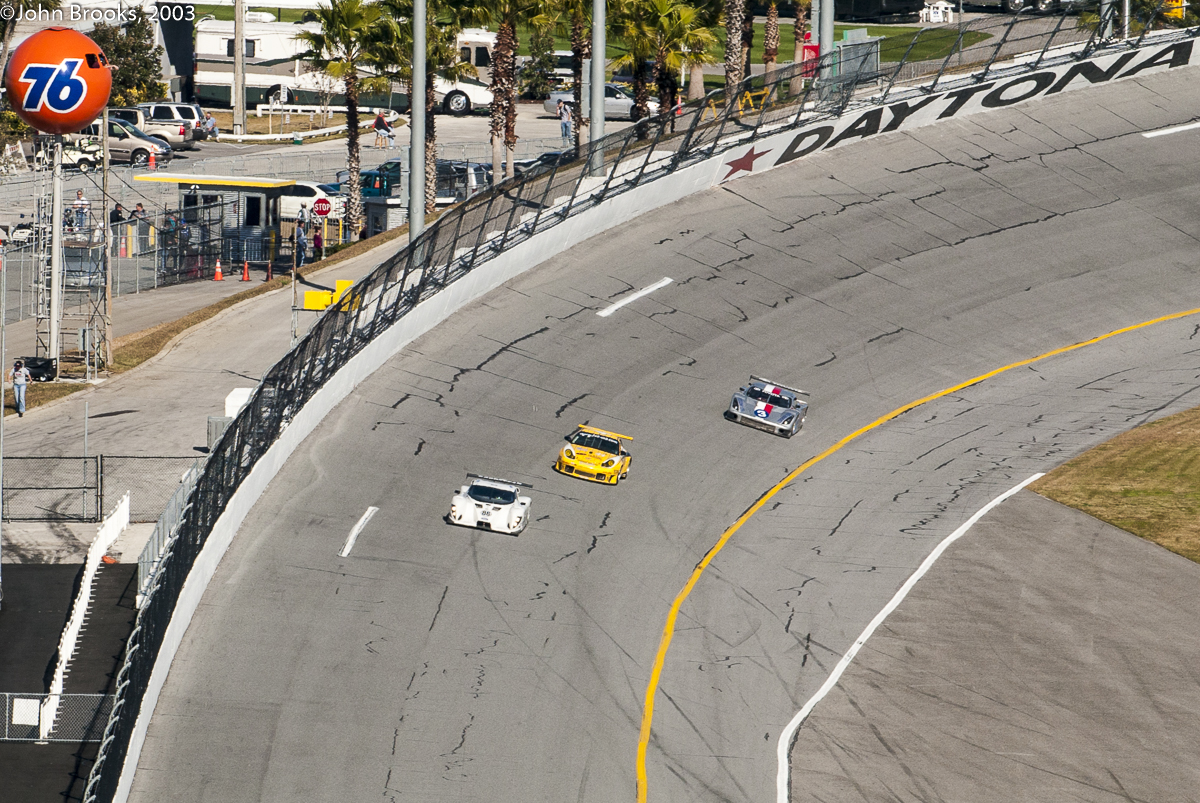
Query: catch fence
[81, 489]
[472, 233]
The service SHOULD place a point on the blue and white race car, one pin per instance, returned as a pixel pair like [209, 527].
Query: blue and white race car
[769, 406]
[491, 504]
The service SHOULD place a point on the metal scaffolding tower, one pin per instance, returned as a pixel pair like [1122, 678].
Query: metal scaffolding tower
[72, 329]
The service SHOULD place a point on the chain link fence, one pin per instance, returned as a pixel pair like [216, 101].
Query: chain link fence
[472, 233]
[55, 717]
[82, 488]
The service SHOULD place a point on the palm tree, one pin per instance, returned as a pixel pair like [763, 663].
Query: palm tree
[803, 11]
[670, 33]
[708, 15]
[735, 61]
[348, 29]
[506, 15]
[391, 56]
[771, 39]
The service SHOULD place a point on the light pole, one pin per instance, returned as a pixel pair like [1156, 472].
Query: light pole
[416, 127]
[596, 90]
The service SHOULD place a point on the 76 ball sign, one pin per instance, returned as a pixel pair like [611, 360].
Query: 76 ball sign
[58, 81]
[322, 207]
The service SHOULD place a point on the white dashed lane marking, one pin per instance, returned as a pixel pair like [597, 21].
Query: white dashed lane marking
[645, 291]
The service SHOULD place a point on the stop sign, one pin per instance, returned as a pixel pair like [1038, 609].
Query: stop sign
[322, 207]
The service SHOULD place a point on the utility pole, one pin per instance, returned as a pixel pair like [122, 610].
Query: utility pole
[416, 127]
[239, 67]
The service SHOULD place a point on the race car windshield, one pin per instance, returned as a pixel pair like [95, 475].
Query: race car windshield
[758, 394]
[600, 443]
[491, 496]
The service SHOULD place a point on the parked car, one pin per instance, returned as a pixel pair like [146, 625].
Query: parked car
[305, 192]
[82, 155]
[172, 121]
[21, 233]
[456, 180]
[618, 104]
[127, 143]
[179, 135]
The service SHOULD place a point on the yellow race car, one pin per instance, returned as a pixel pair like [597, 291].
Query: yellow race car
[596, 455]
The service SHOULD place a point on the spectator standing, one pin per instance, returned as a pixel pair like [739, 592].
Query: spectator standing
[302, 215]
[115, 218]
[143, 228]
[81, 207]
[318, 243]
[564, 123]
[384, 129]
[20, 378]
[301, 246]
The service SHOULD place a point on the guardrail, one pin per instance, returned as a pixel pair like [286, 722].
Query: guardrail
[517, 210]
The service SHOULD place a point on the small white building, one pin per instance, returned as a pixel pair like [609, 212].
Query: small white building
[938, 13]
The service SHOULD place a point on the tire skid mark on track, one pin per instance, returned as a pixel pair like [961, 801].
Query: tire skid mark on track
[668, 632]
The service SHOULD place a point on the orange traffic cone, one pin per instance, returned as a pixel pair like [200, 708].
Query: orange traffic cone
[246, 271]
[218, 277]
[152, 164]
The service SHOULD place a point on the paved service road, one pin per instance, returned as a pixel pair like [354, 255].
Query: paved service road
[162, 407]
[439, 663]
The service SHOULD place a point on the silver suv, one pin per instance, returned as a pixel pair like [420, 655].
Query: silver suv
[177, 123]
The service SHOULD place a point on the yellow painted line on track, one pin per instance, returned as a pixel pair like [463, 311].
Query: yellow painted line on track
[672, 614]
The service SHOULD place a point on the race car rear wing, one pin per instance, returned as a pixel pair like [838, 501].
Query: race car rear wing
[498, 479]
[598, 431]
[778, 385]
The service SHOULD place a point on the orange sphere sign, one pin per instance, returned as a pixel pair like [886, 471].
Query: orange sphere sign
[58, 81]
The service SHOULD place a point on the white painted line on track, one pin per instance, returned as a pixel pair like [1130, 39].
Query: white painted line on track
[782, 781]
[358, 528]
[645, 291]
[1165, 131]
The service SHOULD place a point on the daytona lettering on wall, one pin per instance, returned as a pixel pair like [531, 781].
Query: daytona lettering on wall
[904, 115]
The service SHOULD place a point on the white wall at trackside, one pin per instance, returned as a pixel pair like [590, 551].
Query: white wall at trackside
[781, 148]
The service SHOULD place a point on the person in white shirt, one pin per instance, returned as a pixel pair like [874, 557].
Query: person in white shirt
[20, 377]
[81, 206]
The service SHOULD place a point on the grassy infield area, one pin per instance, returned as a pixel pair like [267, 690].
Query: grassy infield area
[936, 44]
[1146, 481]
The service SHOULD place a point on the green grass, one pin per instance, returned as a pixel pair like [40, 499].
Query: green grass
[934, 43]
[1145, 481]
[226, 12]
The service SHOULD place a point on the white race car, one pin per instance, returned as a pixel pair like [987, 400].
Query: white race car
[491, 504]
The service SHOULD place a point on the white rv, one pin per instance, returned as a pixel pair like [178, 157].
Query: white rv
[275, 71]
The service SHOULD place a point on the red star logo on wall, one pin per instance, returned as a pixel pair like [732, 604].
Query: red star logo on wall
[744, 163]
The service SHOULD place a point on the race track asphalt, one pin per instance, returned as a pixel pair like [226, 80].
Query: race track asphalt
[439, 663]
